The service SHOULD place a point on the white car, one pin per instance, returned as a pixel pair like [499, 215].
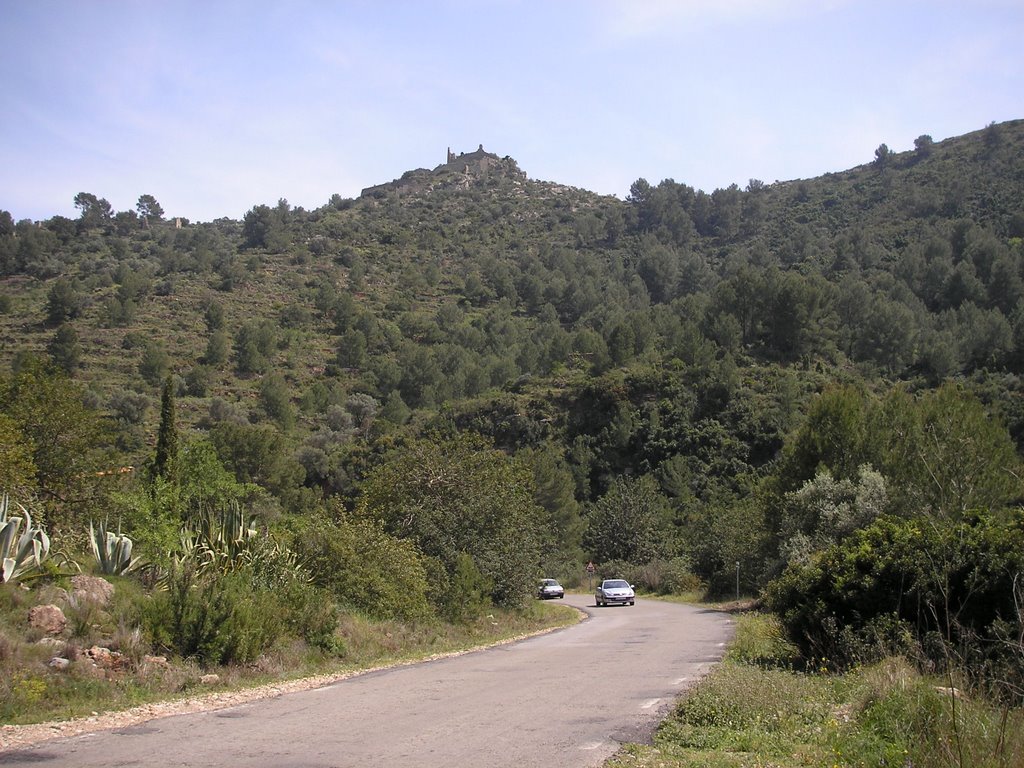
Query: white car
[550, 588]
[612, 591]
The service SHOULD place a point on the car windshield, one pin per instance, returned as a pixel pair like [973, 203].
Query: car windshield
[549, 583]
[616, 584]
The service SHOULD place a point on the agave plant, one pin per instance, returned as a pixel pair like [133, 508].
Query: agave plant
[227, 540]
[229, 533]
[113, 551]
[22, 554]
[221, 542]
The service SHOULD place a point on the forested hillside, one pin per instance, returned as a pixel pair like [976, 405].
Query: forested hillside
[480, 378]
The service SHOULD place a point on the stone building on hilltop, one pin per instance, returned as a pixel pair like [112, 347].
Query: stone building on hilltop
[479, 160]
[458, 170]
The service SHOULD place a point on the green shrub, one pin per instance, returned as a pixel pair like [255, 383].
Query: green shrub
[665, 577]
[456, 495]
[948, 590]
[24, 690]
[151, 519]
[364, 568]
[215, 617]
[311, 614]
[615, 569]
[468, 593]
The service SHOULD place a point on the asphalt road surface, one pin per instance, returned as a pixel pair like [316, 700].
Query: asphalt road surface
[568, 698]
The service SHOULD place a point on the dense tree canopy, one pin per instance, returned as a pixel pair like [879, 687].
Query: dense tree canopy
[460, 496]
[58, 446]
[725, 373]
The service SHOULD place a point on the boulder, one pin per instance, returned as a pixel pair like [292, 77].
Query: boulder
[92, 589]
[48, 618]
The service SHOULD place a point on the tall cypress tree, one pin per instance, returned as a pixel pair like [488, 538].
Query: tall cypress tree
[166, 459]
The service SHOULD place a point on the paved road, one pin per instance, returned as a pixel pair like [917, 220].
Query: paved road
[565, 699]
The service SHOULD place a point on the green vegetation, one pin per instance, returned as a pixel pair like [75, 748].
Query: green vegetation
[806, 390]
[113, 551]
[22, 552]
[946, 592]
[754, 710]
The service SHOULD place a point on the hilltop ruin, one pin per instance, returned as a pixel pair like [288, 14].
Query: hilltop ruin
[460, 170]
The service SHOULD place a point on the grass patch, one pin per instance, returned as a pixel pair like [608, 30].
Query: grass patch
[759, 640]
[755, 710]
[692, 597]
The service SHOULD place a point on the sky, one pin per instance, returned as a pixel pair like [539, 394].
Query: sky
[214, 107]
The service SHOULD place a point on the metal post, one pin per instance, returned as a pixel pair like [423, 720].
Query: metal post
[737, 580]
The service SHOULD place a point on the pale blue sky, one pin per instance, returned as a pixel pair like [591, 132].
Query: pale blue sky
[214, 107]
